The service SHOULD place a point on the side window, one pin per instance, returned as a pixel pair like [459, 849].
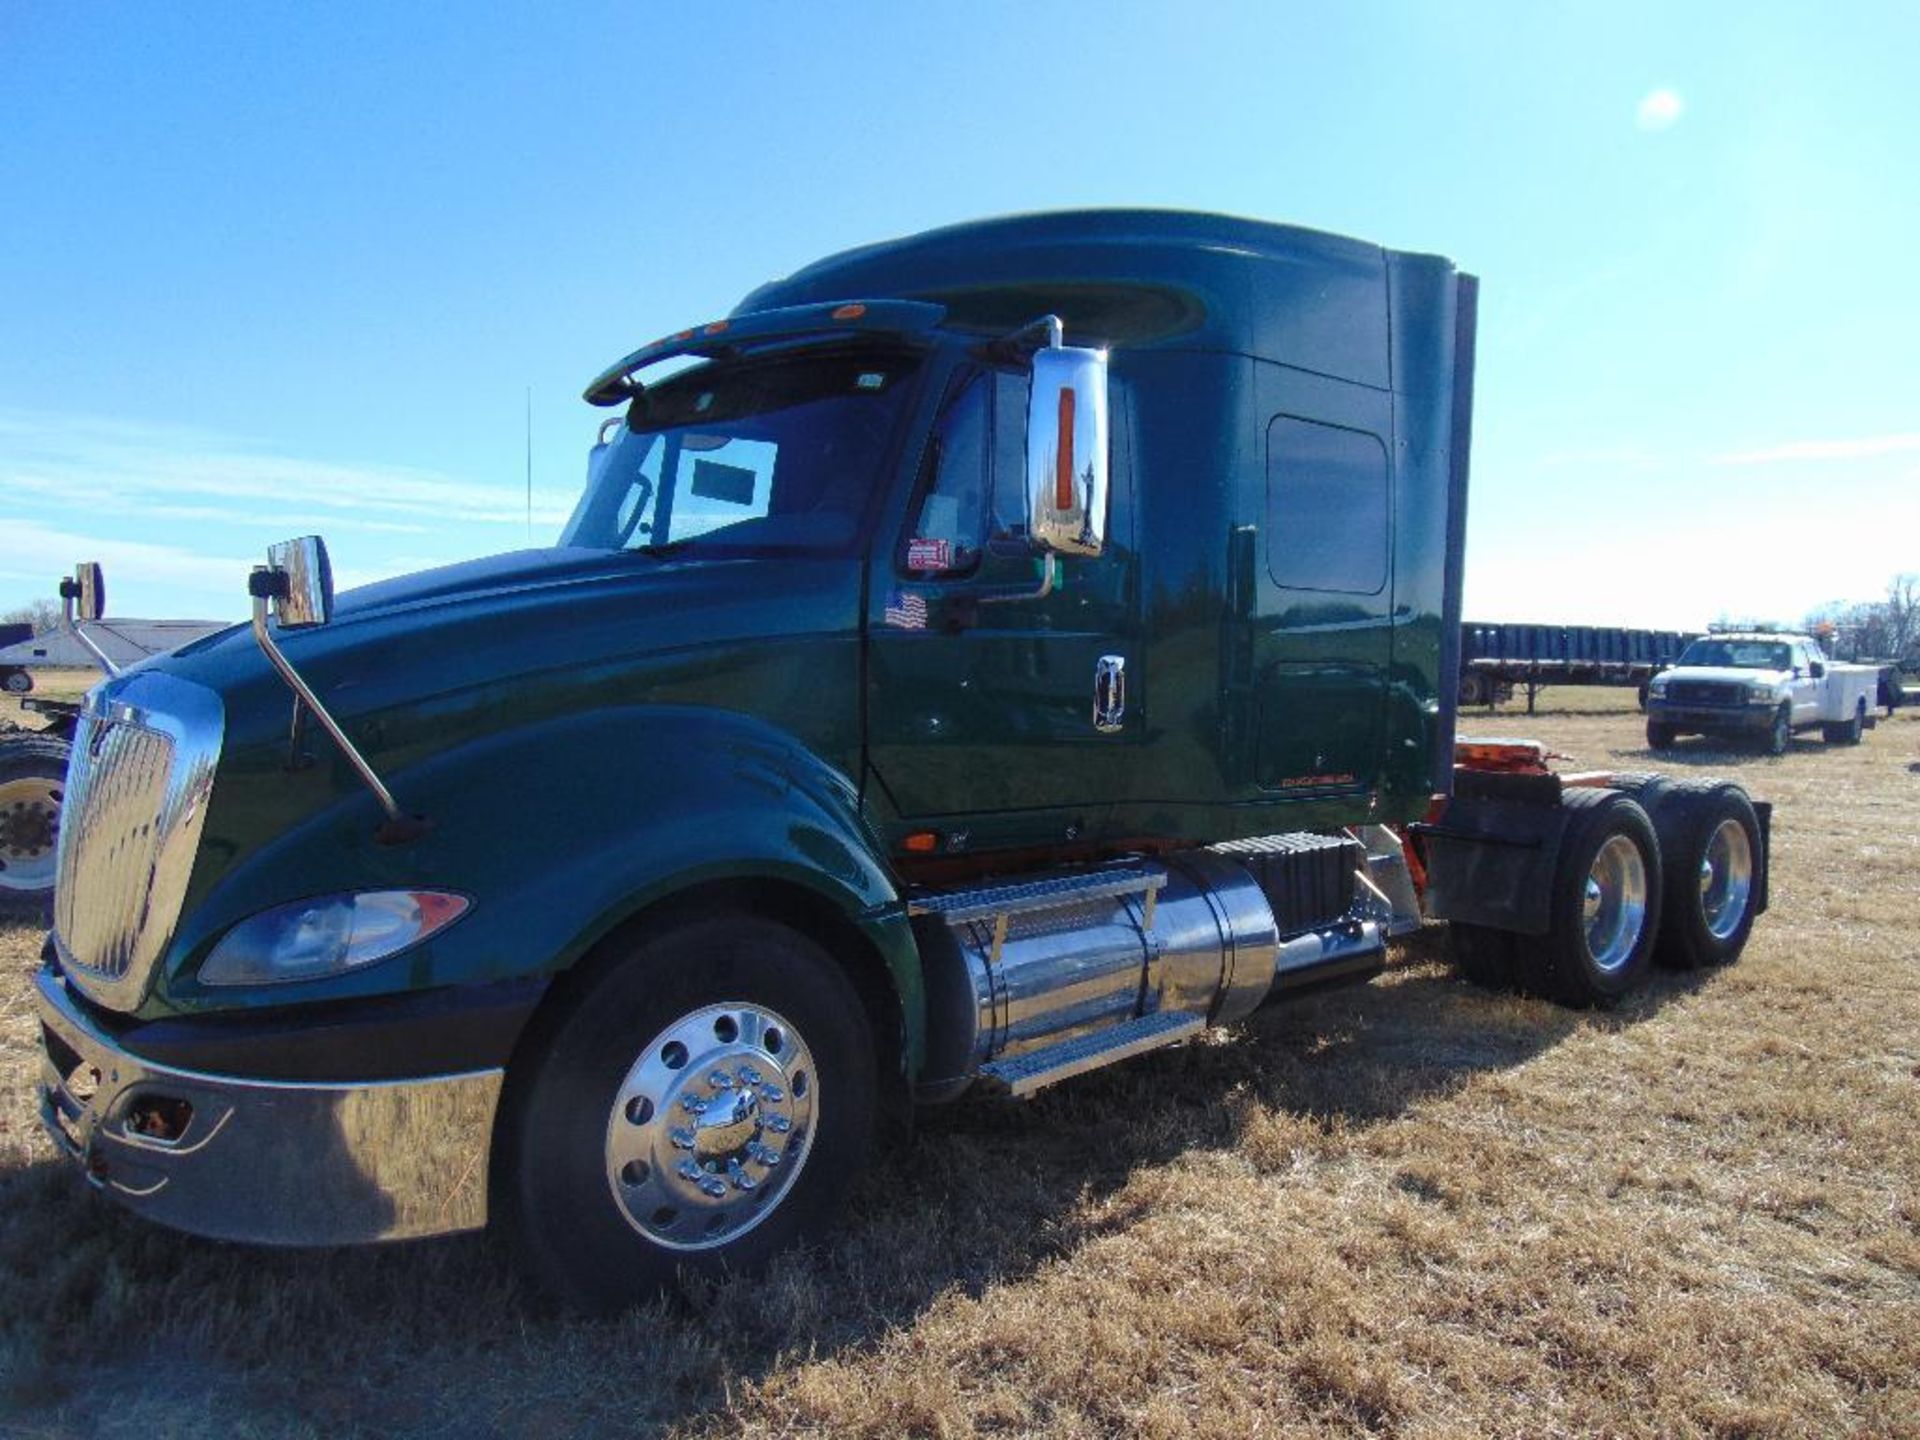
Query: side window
[1010, 455]
[974, 489]
[1327, 512]
[951, 525]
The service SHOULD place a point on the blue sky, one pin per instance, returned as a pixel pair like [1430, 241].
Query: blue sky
[276, 269]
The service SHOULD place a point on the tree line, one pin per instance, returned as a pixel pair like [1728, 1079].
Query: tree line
[1886, 629]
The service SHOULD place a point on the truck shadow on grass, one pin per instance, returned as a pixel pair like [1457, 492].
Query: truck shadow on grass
[439, 1337]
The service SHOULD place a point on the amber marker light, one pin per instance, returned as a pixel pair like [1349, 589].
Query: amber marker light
[921, 842]
[1063, 457]
[849, 312]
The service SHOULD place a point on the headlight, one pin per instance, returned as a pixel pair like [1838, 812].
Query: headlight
[314, 938]
[1657, 687]
[1760, 692]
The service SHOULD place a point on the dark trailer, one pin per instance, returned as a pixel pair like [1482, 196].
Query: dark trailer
[1494, 658]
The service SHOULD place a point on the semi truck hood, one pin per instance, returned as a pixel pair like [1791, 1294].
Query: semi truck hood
[591, 624]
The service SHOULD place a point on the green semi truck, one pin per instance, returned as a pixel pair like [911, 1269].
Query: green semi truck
[980, 658]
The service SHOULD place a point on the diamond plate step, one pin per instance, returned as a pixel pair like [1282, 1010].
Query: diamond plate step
[1038, 1068]
[955, 906]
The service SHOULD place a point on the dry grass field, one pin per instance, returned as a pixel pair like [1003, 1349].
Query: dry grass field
[1409, 1209]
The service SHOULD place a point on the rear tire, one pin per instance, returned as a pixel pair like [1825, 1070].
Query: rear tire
[1856, 727]
[1710, 845]
[1605, 903]
[18, 682]
[696, 1104]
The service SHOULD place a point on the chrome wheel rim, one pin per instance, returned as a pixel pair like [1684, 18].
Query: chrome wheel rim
[712, 1125]
[29, 832]
[1615, 903]
[1726, 878]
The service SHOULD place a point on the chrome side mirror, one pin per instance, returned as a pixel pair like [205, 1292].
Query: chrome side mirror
[1067, 451]
[86, 591]
[83, 599]
[300, 582]
[297, 581]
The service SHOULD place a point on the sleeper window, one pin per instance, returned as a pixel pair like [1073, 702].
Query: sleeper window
[1327, 511]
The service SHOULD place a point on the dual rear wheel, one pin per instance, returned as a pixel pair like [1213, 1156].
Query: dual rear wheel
[1653, 869]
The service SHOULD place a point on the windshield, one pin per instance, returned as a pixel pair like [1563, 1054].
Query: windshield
[765, 456]
[1738, 654]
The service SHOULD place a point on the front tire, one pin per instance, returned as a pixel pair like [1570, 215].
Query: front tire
[697, 1103]
[1605, 903]
[1780, 733]
[18, 682]
[1659, 737]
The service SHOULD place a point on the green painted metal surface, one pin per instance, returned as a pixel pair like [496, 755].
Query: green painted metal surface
[592, 731]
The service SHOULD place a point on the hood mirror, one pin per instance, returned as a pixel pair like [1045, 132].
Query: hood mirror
[83, 600]
[88, 590]
[297, 582]
[1067, 451]
[301, 584]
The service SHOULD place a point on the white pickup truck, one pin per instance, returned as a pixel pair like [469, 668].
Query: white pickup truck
[1762, 686]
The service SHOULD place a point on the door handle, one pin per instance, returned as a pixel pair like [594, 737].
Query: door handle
[1109, 693]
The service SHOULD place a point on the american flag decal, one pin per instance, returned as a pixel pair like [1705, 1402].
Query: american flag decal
[907, 611]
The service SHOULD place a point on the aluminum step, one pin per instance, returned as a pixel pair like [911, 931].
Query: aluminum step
[1020, 896]
[1024, 1074]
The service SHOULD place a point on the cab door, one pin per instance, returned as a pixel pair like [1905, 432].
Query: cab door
[1809, 689]
[999, 715]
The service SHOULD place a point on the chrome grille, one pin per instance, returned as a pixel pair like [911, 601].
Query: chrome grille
[1706, 692]
[137, 791]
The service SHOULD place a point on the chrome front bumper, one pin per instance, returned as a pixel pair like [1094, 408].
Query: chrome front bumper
[270, 1162]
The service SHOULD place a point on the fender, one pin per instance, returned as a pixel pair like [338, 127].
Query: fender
[563, 831]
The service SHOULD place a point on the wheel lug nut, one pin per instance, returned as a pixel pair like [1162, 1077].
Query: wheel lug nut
[681, 1137]
[779, 1124]
[720, 1080]
[748, 1075]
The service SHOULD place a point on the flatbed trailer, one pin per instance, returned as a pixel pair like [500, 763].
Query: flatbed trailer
[1498, 657]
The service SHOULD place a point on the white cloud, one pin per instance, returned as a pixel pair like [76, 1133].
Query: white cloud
[1659, 109]
[127, 468]
[1863, 448]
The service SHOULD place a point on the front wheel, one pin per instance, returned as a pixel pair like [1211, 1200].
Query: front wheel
[1605, 903]
[1659, 737]
[698, 1103]
[1780, 732]
[18, 682]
